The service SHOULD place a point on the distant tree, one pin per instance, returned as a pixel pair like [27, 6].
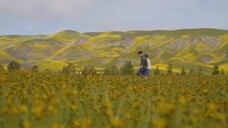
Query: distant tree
[85, 71]
[192, 71]
[70, 69]
[199, 70]
[64, 70]
[222, 72]
[92, 70]
[183, 72]
[35, 68]
[89, 70]
[127, 69]
[157, 71]
[216, 70]
[13, 65]
[170, 69]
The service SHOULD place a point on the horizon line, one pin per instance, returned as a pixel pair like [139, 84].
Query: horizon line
[114, 31]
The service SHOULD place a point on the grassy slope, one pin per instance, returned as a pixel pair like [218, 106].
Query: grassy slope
[67, 36]
[98, 48]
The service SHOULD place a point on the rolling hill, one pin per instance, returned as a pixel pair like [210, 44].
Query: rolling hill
[185, 47]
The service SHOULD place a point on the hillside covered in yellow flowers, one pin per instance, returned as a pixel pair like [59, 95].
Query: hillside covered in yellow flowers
[186, 47]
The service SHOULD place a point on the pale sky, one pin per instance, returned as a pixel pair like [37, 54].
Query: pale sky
[28, 17]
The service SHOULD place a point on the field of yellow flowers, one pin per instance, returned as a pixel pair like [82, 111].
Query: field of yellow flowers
[55, 100]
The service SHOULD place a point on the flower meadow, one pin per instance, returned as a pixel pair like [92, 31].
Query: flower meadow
[55, 100]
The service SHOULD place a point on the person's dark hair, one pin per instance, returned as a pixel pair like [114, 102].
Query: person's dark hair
[146, 55]
[140, 52]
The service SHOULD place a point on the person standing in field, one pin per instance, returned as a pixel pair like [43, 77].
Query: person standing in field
[143, 64]
[149, 66]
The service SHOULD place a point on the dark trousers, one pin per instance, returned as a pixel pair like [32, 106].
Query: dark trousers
[142, 71]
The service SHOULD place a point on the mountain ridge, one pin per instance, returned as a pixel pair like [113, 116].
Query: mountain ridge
[101, 49]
